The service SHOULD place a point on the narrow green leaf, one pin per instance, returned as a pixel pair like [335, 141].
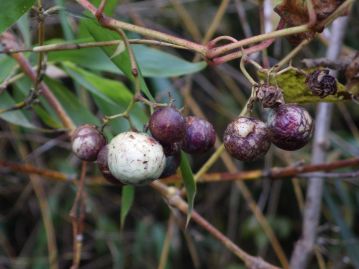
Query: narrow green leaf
[7, 65]
[110, 7]
[295, 89]
[97, 85]
[128, 194]
[15, 117]
[352, 245]
[112, 97]
[189, 183]
[156, 63]
[12, 10]
[78, 113]
[122, 61]
[153, 62]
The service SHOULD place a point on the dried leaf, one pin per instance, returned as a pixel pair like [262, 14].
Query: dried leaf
[295, 13]
[295, 89]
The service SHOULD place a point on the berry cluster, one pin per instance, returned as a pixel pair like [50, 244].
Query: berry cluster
[138, 158]
[288, 126]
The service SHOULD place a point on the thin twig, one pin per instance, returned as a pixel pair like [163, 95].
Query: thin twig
[175, 200]
[304, 247]
[277, 173]
[86, 45]
[77, 215]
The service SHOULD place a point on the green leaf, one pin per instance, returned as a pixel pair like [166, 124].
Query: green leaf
[109, 90]
[112, 97]
[153, 62]
[90, 58]
[189, 183]
[345, 231]
[77, 112]
[128, 194]
[16, 117]
[156, 63]
[295, 88]
[110, 7]
[122, 61]
[11, 11]
[7, 65]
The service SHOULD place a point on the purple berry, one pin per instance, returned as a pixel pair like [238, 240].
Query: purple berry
[87, 141]
[167, 125]
[247, 139]
[172, 163]
[103, 166]
[290, 126]
[200, 135]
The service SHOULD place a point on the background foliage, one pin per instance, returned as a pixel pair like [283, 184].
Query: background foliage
[91, 83]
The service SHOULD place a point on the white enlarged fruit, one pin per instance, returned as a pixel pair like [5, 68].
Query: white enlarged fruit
[135, 158]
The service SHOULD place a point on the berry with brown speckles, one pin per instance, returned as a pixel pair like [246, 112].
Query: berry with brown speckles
[290, 126]
[167, 125]
[135, 158]
[247, 139]
[87, 141]
[200, 135]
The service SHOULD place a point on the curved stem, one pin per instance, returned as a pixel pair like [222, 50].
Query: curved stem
[144, 31]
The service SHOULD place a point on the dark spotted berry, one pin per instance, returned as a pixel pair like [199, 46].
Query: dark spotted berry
[172, 163]
[87, 141]
[290, 126]
[167, 125]
[200, 135]
[321, 83]
[103, 166]
[270, 96]
[247, 139]
[171, 149]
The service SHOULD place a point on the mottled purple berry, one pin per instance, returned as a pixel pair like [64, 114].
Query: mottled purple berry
[172, 163]
[270, 95]
[200, 135]
[102, 163]
[87, 141]
[247, 139]
[167, 125]
[290, 126]
[321, 83]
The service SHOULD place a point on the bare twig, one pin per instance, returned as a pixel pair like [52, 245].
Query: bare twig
[86, 45]
[276, 173]
[77, 215]
[304, 247]
[174, 199]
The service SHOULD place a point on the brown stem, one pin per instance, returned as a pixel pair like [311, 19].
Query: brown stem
[279, 173]
[175, 200]
[10, 42]
[112, 23]
[77, 215]
[253, 49]
[46, 92]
